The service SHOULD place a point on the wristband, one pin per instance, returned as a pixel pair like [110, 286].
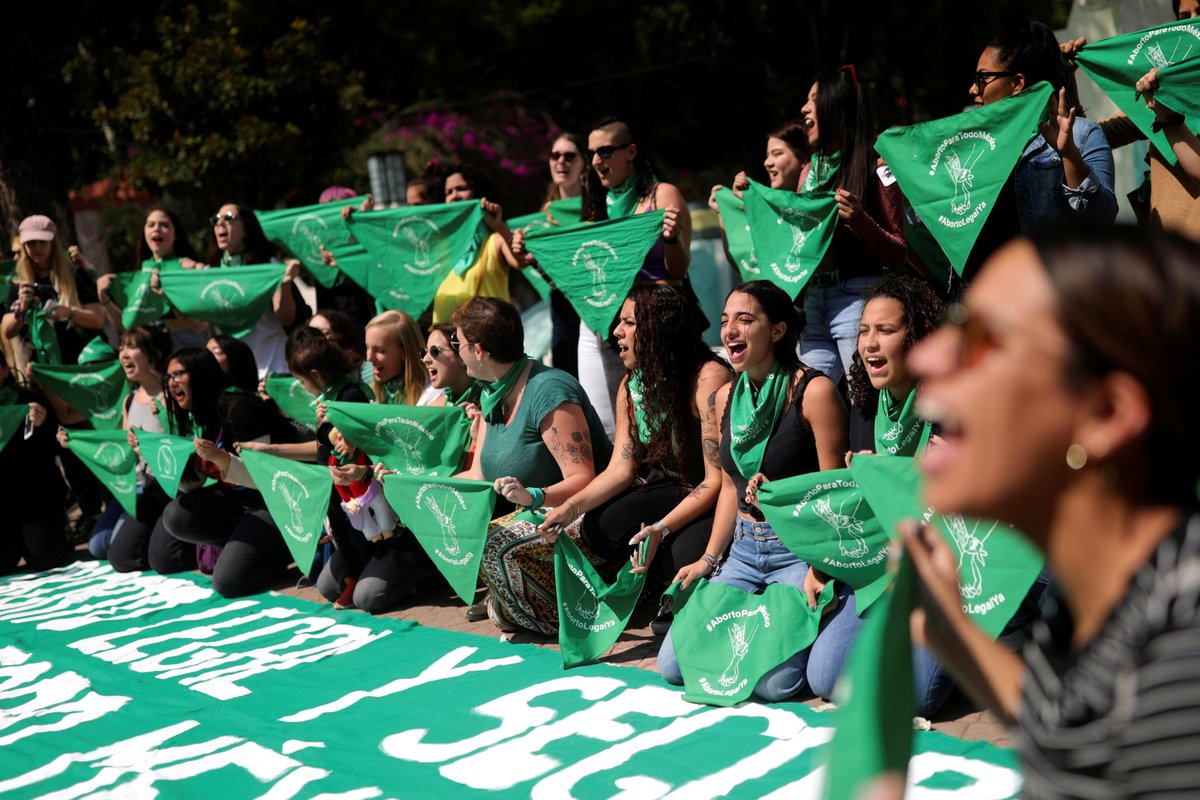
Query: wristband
[662, 529]
[711, 561]
[1168, 121]
[537, 497]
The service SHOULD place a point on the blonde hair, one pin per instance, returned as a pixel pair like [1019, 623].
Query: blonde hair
[62, 274]
[403, 331]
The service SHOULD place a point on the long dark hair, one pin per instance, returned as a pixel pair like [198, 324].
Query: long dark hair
[670, 355]
[845, 125]
[778, 307]
[793, 133]
[645, 172]
[207, 384]
[257, 250]
[243, 369]
[922, 315]
[183, 246]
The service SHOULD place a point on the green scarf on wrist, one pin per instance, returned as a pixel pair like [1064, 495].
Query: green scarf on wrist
[494, 392]
[753, 415]
[897, 426]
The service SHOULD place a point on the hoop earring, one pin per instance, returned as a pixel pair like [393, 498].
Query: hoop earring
[1077, 457]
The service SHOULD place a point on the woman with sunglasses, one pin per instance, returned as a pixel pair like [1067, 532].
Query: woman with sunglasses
[447, 371]
[538, 444]
[1087, 329]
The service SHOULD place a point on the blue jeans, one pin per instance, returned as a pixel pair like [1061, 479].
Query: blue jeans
[830, 335]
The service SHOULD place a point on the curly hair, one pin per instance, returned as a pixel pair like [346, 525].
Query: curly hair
[922, 315]
[668, 347]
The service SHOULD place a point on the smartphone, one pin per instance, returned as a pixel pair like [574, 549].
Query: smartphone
[28, 426]
[643, 548]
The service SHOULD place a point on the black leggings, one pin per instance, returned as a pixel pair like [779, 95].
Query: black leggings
[253, 557]
[608, 528]
[143, 543]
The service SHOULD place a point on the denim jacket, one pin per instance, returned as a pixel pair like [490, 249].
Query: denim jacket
[1043, 196]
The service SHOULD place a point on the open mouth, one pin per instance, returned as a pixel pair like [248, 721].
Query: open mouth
[433, 373]
[736, 351]
[875, 364]
[938, 459]
[180, 397]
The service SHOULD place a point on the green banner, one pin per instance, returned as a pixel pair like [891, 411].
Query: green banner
[996, 564]
[737, 234]
[293, 399]
[97, 351]
[595, 265]
[233, 298]
[12, 419]
[726, 639]
[94, 390]
[873, 737]
[415, 247]
[43, 337]
[297, 495]
[1116, 64]
[301, 231]
[824, 519]
[141, 685]
[952, 169]
[449, 517]
[139, 304]
[414, 440]
[110, 458]
[356, 263]
[167, 457]
[791, 232]
[1179, 86]
[591, 614]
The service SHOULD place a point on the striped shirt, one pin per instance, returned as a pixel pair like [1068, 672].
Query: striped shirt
[1121, 717]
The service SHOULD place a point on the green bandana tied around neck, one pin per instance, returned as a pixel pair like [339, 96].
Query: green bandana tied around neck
[594, 266]
[494, 393]
[108, 455]
[12, 419]
[414, 249]
[43, 337]
[167, 456]
[297, 495]
[645, 430]
[753, 415]
[876, 701]
[233, 298]
[97, 351]
[139, 304]
[952, 169]
[826, 521]
[303, 230]
[822, 175]
[293, 399]
[94, 390]
[469, 395]
[621, 201]
[428, 441]
[791, 232]
[591, 614]
[726, 638]
[1116, 64]
[737, 233]
[449, 517]
[897, 427]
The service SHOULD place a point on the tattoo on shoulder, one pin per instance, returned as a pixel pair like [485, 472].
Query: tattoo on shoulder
[578, 449]
[712, 451]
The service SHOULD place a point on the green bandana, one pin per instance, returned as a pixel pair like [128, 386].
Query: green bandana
[826, 521]
[753, 415]
[493, 394]
[233, 298]
[393, 391]
[12, 419]
[566, 212]
[595, 265]
[356, 263]
[43, 337]
[293, 400]
[621, 201]
[822, 175]
[108, 455]
[591, 614]
[926, 248]
[644, 430]
[469, 395]
[1179, 87]
[791, 232]
[897, 427]
[301, 231]
[875, 697]
[97, 351]
[726, 638]
[996, 565]
[94, 390]
[428, 441]
[139, 304]
[167, 457]
[449, 517]
[737, 234]
[415, 247]
[1116, 64]
[952, 169]
[297, 495]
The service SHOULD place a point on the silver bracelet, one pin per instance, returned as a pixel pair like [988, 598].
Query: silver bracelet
[711, 561]
[662, 529]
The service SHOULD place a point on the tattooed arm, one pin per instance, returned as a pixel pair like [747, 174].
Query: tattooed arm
[565, 433]
[616, 477]
[712, 393]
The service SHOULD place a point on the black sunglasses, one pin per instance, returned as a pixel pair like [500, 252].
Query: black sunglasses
[436, 352]
[565, 155]
[228, 216]
[984, 77]
[606, 151]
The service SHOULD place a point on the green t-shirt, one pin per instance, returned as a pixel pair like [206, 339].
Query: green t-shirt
[517, 449]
